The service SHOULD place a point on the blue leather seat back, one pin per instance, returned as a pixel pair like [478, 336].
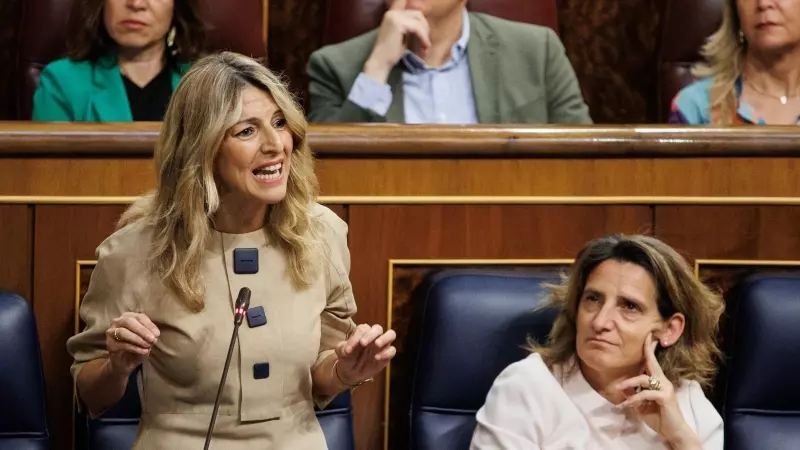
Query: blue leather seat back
[762, 398]
[23, 416]
[336, 421]
[116, 429]
[471, 327]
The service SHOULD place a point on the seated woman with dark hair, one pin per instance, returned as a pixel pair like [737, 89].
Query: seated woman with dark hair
[624, 365]
[125, 59]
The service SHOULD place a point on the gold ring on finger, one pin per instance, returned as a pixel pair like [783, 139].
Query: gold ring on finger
[116, 336]
[654, 384]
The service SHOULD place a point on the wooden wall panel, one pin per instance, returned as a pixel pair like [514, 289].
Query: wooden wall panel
[16, 240]
[745, 177]
[64, 235]
[380, 233]
[731, 232]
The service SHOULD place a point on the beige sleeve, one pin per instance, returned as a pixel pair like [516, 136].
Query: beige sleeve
[105, 299]
[336, 319]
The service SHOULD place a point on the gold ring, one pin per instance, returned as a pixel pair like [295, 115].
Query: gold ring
[116, 337]
[654, 384]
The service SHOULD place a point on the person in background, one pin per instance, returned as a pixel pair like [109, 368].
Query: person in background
[625, 364]
[751, 72]
[125, 59]
[431, 61]
[235, 206]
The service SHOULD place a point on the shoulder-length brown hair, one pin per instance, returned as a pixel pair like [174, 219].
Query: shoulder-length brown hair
[89, 39]
[694, 355]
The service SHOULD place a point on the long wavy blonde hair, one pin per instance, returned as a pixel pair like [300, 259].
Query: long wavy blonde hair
[724, 55]
[206, 103]
[693, 356]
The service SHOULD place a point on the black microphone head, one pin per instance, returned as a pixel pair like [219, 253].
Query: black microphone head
[242, 303]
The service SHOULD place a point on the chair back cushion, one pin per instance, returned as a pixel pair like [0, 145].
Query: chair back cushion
[23, 417]
[336, 421]
[762, 400]
[472, 325]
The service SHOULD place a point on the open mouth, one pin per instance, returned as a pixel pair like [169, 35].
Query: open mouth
[269, 172]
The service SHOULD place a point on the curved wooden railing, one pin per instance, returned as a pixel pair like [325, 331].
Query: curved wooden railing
[31, 139]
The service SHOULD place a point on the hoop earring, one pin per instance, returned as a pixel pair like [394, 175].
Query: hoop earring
[171, 41]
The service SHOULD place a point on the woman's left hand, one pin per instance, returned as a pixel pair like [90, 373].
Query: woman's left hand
[364, 354]
[658, 407]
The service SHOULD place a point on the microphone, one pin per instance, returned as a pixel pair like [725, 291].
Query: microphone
[239, 310]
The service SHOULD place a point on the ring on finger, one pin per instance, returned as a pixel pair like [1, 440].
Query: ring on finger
[654, 384]
[116, 335]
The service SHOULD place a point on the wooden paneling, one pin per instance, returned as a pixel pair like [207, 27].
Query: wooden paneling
[16, 247]
[381, 233]
[76, 177]
[765, 177]
[64, 235]
[137, 140]
[563, 177]
[731, 232]
[357, 160]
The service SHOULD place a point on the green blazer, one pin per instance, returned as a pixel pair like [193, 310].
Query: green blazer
[85, 91]
[520, 74]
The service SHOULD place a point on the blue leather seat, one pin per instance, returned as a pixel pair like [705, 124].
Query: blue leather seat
[23, 416]
[116, 429]
[337, 423]
[762, 397]
[471, 326]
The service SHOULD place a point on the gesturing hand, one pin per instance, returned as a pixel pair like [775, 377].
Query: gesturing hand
[129, 339]
[656, 402]
[364, 354]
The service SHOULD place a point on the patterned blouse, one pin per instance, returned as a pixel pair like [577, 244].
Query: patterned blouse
[691, 106]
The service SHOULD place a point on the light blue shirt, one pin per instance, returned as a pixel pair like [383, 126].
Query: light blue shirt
[430, 95]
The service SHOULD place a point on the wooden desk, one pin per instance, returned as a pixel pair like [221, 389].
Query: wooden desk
[416, 199]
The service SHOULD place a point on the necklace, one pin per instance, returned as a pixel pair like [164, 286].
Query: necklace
[225, 266]
[784, 99]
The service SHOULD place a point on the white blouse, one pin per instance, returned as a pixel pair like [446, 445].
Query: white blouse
[531, 408]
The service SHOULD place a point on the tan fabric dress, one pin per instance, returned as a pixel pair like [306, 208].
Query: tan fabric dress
[179, 380]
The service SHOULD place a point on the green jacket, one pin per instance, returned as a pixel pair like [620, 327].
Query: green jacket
[520, 74]
[85, 91]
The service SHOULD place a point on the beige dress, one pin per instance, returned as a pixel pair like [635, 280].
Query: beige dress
[179, 380]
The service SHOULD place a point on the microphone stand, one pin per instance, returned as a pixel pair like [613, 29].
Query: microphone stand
[221, 385]
[242, 303]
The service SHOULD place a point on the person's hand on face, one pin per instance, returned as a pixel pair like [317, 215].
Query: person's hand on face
[652, 396]
[399, 27]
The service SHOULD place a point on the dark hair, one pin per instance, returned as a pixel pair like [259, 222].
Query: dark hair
[89, 39]
[693, 356]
